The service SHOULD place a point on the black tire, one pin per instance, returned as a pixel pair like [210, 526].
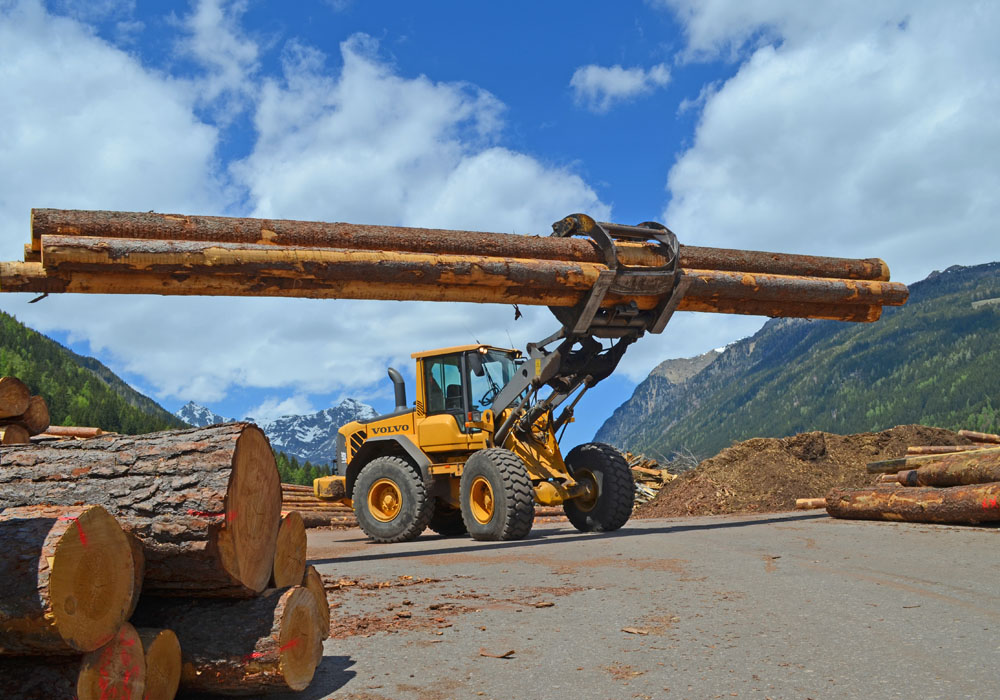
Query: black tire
[511, 510]
[607, 469]
[403, 497]
[447, 520]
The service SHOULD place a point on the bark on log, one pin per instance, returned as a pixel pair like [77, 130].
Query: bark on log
[116, 670]
[162, 652]
[313, 582]
[14, 434]
[141, 225]
[66, 579]
[290, 552]
[205, 502]
[980, 437]
[972, 467]
[242, 647]
[14, 397]
[957, 504]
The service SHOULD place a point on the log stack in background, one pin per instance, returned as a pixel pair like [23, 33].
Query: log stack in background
[108, 252]
[933, 484]
[21, 414]
[316, 512]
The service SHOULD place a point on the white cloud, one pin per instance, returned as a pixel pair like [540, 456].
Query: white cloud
[599, 87]
[274, 408]
[860, 129]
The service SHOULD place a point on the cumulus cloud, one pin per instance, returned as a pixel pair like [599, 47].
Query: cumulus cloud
[858, 129]
[599, 87]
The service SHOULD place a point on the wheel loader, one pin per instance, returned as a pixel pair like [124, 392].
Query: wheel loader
[479, 447]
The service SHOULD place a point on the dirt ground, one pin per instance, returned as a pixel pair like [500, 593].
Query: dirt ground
[766, 475]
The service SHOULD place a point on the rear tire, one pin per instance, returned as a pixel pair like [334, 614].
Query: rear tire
[607, 470]
[447, 520]
[498, 502]
[390, 500]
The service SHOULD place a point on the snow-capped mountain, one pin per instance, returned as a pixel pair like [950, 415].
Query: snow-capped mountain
[310, 437]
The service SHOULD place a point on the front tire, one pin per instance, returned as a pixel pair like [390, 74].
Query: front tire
[390, 500]
[498, 502]
[613, 487]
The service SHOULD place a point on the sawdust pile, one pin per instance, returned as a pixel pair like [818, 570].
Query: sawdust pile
[766, 475]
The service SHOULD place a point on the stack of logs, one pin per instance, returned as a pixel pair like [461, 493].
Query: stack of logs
[108, 252]
[21, 414]
[649, 477]
[316, 512]
[932, 484]
[191, 519]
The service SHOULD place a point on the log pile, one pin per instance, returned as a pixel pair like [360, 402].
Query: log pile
[106, 252]
[21, 414]
[197, 527]
[648, 475]
[932, 484]
[316, 512]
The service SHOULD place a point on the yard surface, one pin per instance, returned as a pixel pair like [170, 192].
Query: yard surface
[793, 605]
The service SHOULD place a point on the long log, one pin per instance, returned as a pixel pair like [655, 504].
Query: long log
[980, 437]
[242, 647]
[14, 397]
[289, 552]
[320, 518]
[115, 670]
[66, 579]
[313, 582]
[967, 457]
[956, 504]
[205, 502]
[295, 488]
[937, 449]
[162, 652]
[73, 431]
[149, 225]
[973, 467]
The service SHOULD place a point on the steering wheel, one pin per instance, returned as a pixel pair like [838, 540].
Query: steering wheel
[488, 397]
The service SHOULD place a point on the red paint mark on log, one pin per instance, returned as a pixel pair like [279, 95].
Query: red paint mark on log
[83, 536]
[289, 645]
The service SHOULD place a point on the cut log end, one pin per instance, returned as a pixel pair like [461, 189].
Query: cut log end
[14, 397]
[300, 638]
[14, 434]
[116, 670]
[313, 582]
[290, 552]
[163, 663]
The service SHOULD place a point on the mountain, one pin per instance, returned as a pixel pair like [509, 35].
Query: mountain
[78, 390]
[311, 437]
[932, 361]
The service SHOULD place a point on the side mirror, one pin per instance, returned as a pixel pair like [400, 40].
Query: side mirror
[475, 361]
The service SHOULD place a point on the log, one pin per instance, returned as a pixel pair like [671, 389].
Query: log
[150, 225]
[205, 502]
[290, 552]
[956, 504]
[14, 434]
[313, 582]
[967, 459]
[73, 431]
[138, 568]
[980, 437]
[14, 397]
[809, 503]
[296, 488]
[242, 647]
[162, 652]
[971, 467]
[36, 416]
[937, 449]
[66, 579]
[115, 670]
[313, 518]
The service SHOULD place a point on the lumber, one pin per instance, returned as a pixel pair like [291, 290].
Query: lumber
[205, 502]
[956, 504]
[289, 552]
[14, 434]
[277, 232]
[252, 646]
[162, 653]
[980, 437]
[115, 670]
[14, 397]
[66, 579]
[313, 582]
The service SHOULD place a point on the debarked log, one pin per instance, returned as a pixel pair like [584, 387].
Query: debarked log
[204, 502]
[66, 579]
[279, 232]
[242, 647]
[956, 504]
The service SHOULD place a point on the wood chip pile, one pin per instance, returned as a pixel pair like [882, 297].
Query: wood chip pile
[21, 414]
[178, 571]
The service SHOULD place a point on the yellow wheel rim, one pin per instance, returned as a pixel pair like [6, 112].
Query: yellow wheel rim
[384, 500]
[481, 500]
[588, 500]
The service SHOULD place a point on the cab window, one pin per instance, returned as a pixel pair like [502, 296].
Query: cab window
[443, 379]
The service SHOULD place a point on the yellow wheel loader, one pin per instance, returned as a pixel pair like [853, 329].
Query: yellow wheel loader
[479, 448]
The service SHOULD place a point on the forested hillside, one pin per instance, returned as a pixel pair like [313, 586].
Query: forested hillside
[79, 390]
[934, 362]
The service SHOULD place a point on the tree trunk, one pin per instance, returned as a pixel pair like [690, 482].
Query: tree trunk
[957, 504]
[66, 579]
[14, 397]
[289, 552]
[162, 652]
[980, 437]
[242, 647]
[966, 459]
[974, 467]
[204, 502]
[116, 670]
[314, 584]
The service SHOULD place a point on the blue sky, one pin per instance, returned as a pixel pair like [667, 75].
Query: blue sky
[851, 128]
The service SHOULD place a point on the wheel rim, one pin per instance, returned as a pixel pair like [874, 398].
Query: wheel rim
[588, 500]
[384, 500]
[481, 500]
